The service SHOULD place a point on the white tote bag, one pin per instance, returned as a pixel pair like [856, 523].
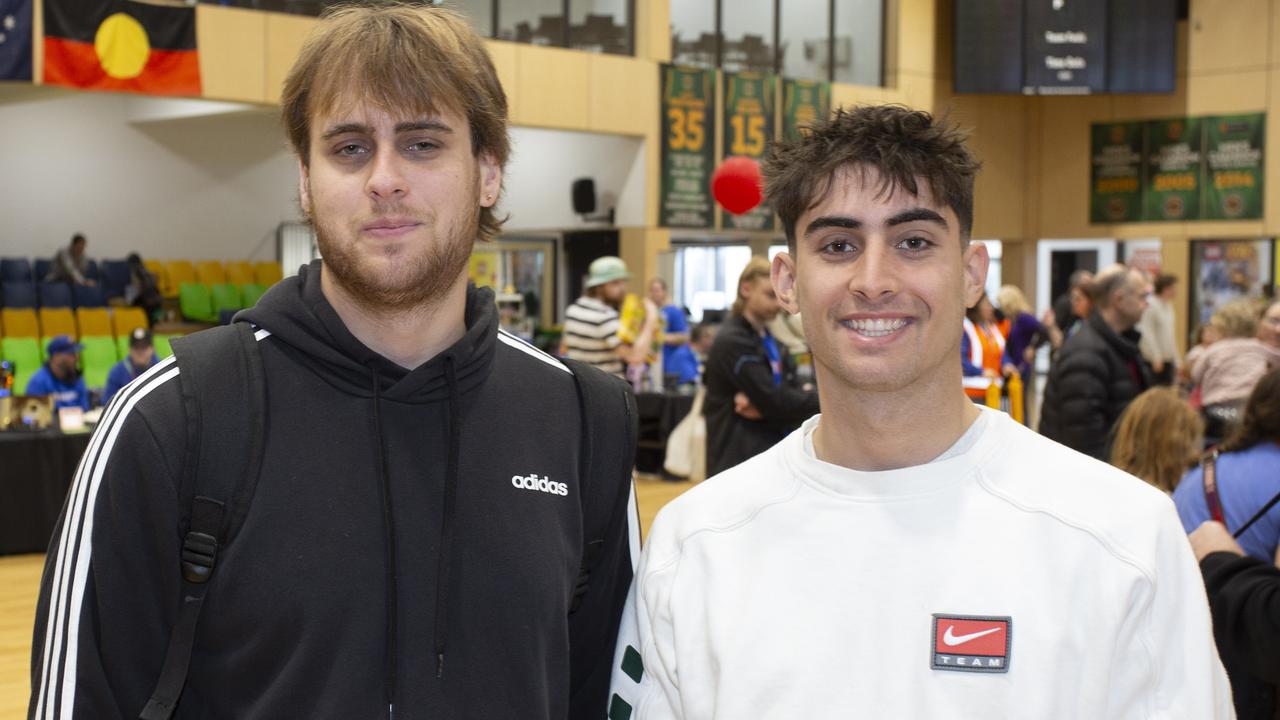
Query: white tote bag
[687, 444]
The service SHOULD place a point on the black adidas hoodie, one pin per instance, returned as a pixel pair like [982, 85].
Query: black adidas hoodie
[449, 600]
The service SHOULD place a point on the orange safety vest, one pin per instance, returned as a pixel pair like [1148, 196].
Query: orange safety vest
[986, 350]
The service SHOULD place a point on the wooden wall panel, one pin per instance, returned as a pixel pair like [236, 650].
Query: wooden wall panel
[1229, 35]
[622, 95]
[503, 55]
[285, 35]
[233, 60]
[1239, 92]
[551, 88]
[999, 139]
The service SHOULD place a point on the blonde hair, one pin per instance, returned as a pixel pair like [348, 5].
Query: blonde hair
[757, 267]
[399, 58]
[1012, 302]
[1236, 319]
[1158, 438]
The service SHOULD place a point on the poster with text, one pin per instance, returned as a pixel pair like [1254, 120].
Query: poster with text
[1115, 192]
[748, 132]
[803, 102]
[1234, 172]
[1173, 170]
[688, 146]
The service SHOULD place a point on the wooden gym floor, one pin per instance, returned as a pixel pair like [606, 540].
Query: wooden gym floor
[20, 582]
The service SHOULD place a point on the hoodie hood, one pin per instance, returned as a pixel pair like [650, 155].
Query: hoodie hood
[296, 312]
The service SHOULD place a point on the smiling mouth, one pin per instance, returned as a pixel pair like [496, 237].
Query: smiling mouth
[876, 328]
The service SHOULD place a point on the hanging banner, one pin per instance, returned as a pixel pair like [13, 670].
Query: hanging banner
[1234, 172]
[1173, 170]
[1115, 193]
[803, 102]
[748, 132]
[15, 39]
[688, 147]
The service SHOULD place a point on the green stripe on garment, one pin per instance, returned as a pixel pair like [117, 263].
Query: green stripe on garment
[619, 709]
[632, 665]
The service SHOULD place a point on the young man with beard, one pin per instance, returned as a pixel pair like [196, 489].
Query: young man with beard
[593, 329]
[60, 375]
[416, 535]
[908, 554]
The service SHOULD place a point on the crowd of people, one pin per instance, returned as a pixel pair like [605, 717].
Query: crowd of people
[872, 541]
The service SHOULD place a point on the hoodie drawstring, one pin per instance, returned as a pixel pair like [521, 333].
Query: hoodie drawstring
[443, 559]
[389, 526]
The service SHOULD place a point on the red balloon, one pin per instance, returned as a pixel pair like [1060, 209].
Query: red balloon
[736, 184]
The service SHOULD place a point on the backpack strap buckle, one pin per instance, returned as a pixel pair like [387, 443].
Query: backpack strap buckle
[199, 555]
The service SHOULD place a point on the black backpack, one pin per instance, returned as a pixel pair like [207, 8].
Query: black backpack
[226, 425]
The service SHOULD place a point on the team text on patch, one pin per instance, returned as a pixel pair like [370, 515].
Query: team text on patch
[971, 643]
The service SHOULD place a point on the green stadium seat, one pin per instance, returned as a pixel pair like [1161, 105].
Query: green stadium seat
[97, 357]
[251, 292]
[25, 354]
[163, 348]
[196, 302]
[226, 297]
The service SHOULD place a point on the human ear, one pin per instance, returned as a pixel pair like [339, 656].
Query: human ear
[783, 275]
[490, 180]
[976, 261]
[304, 188]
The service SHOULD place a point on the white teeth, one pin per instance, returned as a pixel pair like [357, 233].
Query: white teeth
[878, 327]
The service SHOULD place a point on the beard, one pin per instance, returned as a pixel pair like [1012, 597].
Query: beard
[404, 278]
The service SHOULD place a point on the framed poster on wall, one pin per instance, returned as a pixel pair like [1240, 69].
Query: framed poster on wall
[1227, 270]
[688, 147]
[748, 132]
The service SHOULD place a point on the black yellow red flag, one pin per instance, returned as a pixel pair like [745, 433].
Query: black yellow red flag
[120, 45]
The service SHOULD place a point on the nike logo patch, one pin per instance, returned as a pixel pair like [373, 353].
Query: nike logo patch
[972, 643]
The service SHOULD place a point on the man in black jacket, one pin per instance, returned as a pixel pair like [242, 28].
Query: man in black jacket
[415, 538]
[1099, 369]
[1244, 597]
[751, 400]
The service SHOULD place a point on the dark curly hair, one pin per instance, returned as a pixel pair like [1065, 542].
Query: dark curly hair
[902, 145]
[1261, 415]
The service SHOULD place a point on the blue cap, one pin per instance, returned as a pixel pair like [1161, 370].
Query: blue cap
[62, 344]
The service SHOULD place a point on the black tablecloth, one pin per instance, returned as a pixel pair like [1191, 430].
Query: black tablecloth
[659, 414]
[36, 470]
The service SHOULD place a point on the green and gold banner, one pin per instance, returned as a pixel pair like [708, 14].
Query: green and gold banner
[1173, 170]
[803, 102]
[748, 132]
[1233, 167]
[688, 147]
[1115, 193]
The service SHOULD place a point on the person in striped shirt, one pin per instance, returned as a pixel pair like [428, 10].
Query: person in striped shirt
[592, 325]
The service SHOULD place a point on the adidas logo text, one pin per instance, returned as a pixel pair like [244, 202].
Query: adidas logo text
[541, 484]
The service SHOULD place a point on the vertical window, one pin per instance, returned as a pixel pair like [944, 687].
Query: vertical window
[537, 22]
[693, 32]
[748, 27]
[805, 39]
[707, 276]
[600, 26]
[479, 13]
[858, 50]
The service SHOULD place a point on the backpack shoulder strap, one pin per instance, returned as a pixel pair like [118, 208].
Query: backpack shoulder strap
[224, 400]
[609, 427]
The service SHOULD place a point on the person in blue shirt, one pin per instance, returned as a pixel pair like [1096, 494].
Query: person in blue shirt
[142, 355]
[60, 375]
[675, 330]
[1247, 472]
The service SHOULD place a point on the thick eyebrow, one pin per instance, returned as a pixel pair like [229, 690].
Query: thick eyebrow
[916, 215]
[836, 221]
[361, 128]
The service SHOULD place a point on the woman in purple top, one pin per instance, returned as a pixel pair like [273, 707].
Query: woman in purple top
[1026, 335]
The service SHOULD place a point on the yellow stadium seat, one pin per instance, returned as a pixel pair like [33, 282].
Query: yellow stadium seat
[268, 273]
[239, 272]
[57, 321]
[178, 271]
[19, 322]
[93, 322]
[125, 319]
[210, 272]
[162, 278]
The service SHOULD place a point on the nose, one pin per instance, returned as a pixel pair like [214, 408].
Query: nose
[874, 275]
[386, 177]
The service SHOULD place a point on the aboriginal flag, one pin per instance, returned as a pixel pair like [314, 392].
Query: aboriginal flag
[121, 45]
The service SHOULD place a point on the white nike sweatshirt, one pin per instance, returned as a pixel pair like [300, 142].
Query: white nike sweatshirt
[1016, 579]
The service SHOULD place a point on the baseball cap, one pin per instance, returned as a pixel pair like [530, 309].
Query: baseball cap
[606, 269]
[62, 344]
[139, 338]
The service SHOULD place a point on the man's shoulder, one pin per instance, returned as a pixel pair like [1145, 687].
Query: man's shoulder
[530, 364]
[1066, 487]
[722, 504]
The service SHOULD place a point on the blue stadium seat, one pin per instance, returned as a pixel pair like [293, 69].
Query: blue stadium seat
[55, 295]
[20, 295]
[15, 270]
[91, 270]
[88, 296]
[43, 266]
[115, 277]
